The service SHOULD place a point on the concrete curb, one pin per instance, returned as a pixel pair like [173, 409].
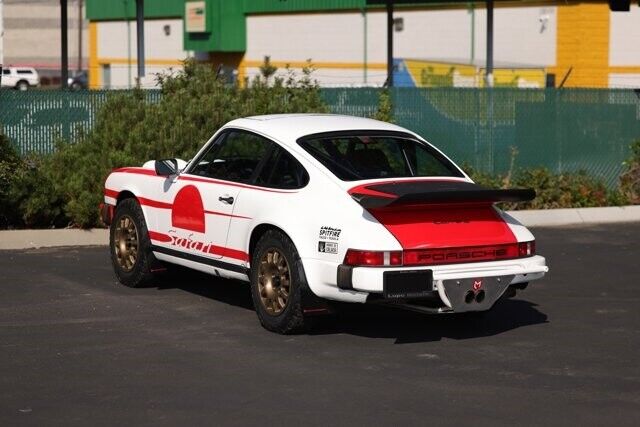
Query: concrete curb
[27, 239]
[578, 216]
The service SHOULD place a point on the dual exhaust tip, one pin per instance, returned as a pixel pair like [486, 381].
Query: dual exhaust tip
[471, 296]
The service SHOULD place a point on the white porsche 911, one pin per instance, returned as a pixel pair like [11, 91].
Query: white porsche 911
[313, 208]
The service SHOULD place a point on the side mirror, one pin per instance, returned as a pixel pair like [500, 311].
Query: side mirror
[166, 167]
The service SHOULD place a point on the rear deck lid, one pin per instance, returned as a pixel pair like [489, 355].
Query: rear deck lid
[439, 214]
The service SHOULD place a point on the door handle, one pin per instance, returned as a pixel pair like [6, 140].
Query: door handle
[228, 200]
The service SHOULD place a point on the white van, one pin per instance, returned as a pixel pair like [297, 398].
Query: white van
[21, 78]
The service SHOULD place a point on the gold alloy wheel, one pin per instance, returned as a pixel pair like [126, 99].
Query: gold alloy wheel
[274, 281]
[126, 243]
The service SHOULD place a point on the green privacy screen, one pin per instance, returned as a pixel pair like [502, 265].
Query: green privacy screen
[562, 130]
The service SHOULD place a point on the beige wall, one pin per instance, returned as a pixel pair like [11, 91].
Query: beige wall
[117, 43]
[624, 41]
[32, 33]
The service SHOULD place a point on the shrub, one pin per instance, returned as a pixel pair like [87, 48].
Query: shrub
[553, 190]
[384, 112]
[27, 194]
[630, 179]
[129, 130]
[9, 161]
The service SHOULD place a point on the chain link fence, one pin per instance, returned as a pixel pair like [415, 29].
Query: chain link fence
[562, 130]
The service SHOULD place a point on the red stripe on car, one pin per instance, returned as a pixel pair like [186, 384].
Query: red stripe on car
[111, 193]
[159, 237]
[365, 190]
[231, 184]
[154, 203]
[139, 171]
[225, 214]
[164, 205]
[210, 249]
[229, 253]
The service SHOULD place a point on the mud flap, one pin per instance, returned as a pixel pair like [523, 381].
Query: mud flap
[312, 305]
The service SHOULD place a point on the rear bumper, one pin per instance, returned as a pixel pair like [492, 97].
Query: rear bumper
[523, 269]
[333, 281]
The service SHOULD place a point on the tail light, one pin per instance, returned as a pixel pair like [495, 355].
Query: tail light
[360, 258]
[439, 256]
[526, 249]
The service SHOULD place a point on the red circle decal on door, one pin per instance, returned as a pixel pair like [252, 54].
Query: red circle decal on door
[188, 211]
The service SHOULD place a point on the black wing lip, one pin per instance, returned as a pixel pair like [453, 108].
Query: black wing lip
[439, 193]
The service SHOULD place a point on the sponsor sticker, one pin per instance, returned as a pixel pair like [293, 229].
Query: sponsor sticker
[329, 233]
[328, 247]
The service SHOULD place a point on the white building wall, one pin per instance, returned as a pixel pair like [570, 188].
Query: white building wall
[624, 80]
[624, 38]
[522, 35]
[329, 77]
[336, 37]
[32, 34]
[117, 43]
[330, 38]
[434, 34]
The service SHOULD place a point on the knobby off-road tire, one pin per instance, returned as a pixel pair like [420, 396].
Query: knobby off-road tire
[130, 246]
[277, 276]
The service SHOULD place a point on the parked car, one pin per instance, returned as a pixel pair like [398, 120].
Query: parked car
[314, 208]
[78, 81]
[21, 78]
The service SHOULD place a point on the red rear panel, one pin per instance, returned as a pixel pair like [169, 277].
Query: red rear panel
[443, 226]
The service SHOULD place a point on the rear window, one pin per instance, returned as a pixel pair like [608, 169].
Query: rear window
[353, 157]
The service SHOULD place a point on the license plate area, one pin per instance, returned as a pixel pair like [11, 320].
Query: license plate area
[409, 284]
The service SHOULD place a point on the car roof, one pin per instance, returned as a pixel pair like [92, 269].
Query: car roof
[287, 128]
[30, 69]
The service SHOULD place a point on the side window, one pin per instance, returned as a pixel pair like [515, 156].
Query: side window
[282, 170]
[6, 71]
[234, 158]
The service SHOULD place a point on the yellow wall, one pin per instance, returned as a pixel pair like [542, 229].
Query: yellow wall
[94, 67]
[583, 43]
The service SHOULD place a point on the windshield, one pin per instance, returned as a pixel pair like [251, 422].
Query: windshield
[356, 157]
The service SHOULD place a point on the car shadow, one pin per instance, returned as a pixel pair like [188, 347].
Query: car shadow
[232, 292]
[372, 320]
[411, 327]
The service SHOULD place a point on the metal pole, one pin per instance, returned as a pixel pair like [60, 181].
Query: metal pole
[80, 23]
[473, 34]
[489, 82]
[125, 4]
[1, 33]
[365, 42]
[489, 70]
[389, 43]
[64, 44]
[140, 37]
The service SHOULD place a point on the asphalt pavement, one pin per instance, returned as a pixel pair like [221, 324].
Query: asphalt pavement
[78, 349]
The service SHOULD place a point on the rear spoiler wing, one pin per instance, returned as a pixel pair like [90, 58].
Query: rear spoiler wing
[405, 193]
